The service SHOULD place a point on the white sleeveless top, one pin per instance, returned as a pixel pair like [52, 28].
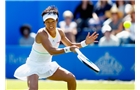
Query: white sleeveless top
[39, 54]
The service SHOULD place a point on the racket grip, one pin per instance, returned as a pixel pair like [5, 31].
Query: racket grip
[78, 51]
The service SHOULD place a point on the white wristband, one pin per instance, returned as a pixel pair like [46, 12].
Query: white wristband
[83, 44]
[67, 49]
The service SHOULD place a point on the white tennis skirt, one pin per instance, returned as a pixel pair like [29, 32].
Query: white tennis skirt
[43, 70]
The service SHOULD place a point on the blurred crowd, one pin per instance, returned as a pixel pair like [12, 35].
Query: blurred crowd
[105, 17]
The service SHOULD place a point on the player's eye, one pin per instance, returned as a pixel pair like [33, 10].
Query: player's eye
[47, 22]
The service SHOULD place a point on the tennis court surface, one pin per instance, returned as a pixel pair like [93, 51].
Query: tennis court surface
[14, 84]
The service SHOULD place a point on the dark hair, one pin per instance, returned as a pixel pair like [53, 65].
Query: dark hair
[23, 27]
[88, 3]
[50, 9]
[117, 3]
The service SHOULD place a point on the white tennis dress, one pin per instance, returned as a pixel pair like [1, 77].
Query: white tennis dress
[39, 61]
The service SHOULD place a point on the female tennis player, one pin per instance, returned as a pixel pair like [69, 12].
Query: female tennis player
[39, 63]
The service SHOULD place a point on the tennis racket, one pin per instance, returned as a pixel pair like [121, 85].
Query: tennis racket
[86, 61]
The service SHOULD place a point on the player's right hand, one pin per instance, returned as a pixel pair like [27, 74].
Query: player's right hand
[72, 48]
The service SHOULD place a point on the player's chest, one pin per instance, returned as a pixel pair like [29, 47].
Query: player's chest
[55, 41]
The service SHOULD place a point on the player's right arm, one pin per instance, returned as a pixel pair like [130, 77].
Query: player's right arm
[42, 37]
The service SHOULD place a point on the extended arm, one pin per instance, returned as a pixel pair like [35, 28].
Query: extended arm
[89, 39]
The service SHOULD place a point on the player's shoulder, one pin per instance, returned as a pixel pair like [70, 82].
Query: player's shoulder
[41, 32]
[41, 29]
[60, 30]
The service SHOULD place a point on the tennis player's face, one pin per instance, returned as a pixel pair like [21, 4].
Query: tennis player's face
[50, 24]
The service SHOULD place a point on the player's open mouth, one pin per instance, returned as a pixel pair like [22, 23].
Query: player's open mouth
[51, 27]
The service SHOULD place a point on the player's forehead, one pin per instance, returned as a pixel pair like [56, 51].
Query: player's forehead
[50, 20]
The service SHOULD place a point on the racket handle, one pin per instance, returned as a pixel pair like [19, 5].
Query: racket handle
[78, 51]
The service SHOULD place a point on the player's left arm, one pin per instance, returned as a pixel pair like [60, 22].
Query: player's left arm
[89, 39]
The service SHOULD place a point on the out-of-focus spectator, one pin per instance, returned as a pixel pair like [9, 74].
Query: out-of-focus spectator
[132, 2]
[132, 28]
[128, 9]
[101, 7]
[69, 26]
[108, 39]
[124, 36]
[121, 5]
[27, 38]
[114, 19]
[95, 26]
[82, 13]
[128, 35]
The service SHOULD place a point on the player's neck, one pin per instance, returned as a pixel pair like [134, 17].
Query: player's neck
[52, 32]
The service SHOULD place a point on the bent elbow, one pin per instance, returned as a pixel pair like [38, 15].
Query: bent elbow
[51, 53]
[55, 51]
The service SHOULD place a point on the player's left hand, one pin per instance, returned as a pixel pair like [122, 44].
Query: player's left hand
[91, 38]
